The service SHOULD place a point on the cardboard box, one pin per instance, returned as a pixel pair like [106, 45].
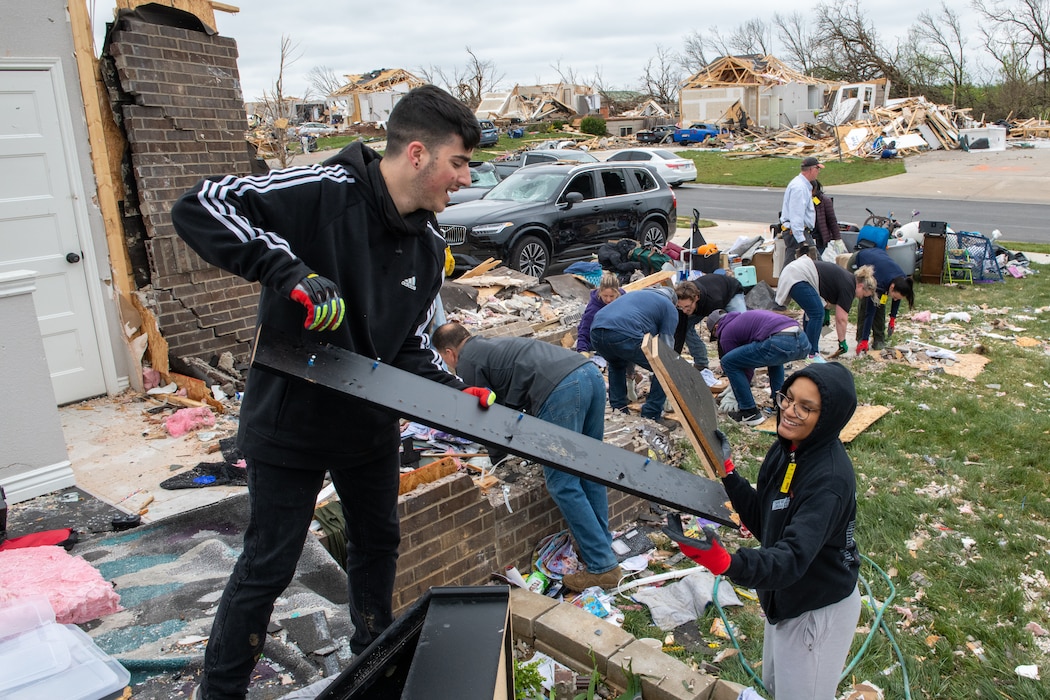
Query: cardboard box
[763, 264]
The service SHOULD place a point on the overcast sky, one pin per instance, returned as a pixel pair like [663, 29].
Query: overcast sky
[523, 40]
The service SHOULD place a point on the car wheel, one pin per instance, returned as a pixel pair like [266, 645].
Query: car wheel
[684, 142]
[530, 257]
[654, 234]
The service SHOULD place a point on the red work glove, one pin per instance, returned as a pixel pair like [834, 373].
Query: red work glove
[325, 307]
[707, 552]
[893, 326]
[862, 346]
[486, 397]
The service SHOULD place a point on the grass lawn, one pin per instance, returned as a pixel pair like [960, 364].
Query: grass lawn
[751, 170]
[953, 503]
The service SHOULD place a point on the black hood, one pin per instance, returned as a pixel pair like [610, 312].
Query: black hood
[363, 162]
[838, 401]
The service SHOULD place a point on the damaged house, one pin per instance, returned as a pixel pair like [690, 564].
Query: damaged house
[529, 103]
[370, 97]
[767, 92]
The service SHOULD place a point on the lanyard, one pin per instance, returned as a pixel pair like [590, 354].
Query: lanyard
[788, 475]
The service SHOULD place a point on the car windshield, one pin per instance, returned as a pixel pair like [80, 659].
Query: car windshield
[525, 186]
[483, 178]
[579, 156]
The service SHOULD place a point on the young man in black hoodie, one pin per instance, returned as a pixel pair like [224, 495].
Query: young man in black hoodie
[803, 511]
[354, 243]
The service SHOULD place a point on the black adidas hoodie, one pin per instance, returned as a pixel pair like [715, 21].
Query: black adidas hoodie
[338, 220]
[808, 558]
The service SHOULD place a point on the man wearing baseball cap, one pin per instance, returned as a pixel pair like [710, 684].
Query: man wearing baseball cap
[797, 214]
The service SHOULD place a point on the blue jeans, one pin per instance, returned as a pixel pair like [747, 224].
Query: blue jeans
[771, 353]
[578, 404]
[692, 339]
[621, 351]
[282, 502]
[809, 299]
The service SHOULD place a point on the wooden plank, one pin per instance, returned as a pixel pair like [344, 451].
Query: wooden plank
[480, 269]
[691, 398]
[106, 178]
[653, 279]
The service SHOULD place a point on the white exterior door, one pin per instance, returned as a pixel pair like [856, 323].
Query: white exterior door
[39, 229]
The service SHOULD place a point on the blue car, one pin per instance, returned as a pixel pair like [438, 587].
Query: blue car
[489, 133]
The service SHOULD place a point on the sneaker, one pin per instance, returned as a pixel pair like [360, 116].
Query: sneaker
[878, 345]
[750, 416]
[624, 410]
[582, 580]
[816, 358]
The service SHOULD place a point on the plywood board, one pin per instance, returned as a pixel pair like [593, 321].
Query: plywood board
[862, 418]
[653, 279]
[691, 398]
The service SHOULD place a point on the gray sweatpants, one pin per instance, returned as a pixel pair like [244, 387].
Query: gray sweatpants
[802, 658]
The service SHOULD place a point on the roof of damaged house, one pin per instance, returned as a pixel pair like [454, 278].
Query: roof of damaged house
[750, 69]
[377, 81]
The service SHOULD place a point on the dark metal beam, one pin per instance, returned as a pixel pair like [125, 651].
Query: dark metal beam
[439, 406]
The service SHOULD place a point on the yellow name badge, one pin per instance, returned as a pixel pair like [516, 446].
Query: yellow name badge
[787, 478]
[883, 299]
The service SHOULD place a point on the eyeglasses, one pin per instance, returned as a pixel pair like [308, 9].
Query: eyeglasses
[784, 402]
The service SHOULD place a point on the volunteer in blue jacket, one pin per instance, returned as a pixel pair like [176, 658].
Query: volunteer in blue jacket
[892, 285]
[803, 512]
[751, 339]
[617, 333]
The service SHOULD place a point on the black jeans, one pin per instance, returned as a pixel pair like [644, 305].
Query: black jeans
[282, 502]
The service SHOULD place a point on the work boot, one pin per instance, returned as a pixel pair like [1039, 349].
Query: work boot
[585, 579]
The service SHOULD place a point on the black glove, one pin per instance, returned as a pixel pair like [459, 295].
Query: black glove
[325, 307]
[726, 451]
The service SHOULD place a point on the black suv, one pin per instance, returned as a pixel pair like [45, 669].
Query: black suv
[557, 213]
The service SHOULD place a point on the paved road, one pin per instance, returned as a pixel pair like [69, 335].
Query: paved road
[1016, 221]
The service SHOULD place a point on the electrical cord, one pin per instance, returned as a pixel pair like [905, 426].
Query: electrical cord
[878, 623]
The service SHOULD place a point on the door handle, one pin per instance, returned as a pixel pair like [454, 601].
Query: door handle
[72, 258]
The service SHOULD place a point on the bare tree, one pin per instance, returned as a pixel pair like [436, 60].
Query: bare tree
[467, 83]
[663, 77]
[798, 40]
[611, 97]
[752, 37]
[943, 32]
[695, 54]
[1017, 34]
[277, 108]
[848, 46]
[568, 74]
[324, 81]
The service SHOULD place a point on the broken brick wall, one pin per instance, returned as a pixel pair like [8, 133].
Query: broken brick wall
[175, 91]
[452, 535]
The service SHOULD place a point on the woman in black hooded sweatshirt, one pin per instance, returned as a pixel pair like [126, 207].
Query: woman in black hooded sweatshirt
[803, 511]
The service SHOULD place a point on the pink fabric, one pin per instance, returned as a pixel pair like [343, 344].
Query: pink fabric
[77, 591]
[185, 420]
